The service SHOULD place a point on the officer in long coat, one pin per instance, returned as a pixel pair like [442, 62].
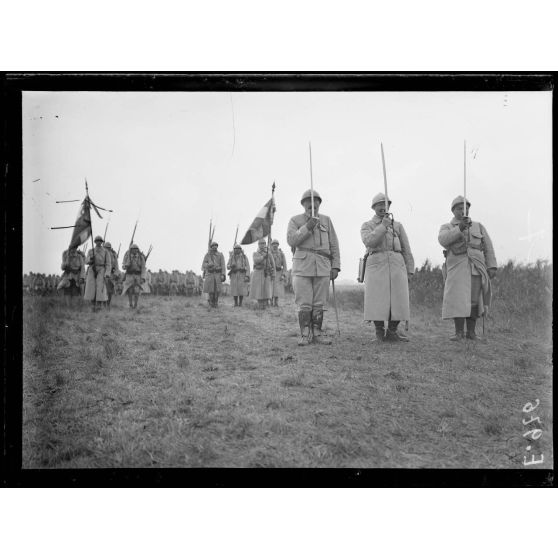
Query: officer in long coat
[135, 280]
[213, 267]
[469, 267]
[100, 263]
[280, 273]
[316, 260]
[389, 265]
[239, 274]
[263, 275]
[73, 266]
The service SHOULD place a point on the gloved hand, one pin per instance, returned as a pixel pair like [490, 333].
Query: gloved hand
[386, 221]
[311, 223]
[465, 223]
[334, 273]
[492, 272]
[223, 278]
[81, 281]
[142, 280]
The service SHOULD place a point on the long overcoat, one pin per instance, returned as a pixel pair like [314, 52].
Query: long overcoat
[73, 265]
[213, 266]
[239, 266]
[386, 293]
[467, 254]
[280, 273]
[261, 280]
[134, 265]
[95, 287]
[316, 252]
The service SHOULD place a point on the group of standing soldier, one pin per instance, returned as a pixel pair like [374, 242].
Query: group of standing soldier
[265, 284]
[102, 274]
[469, 267]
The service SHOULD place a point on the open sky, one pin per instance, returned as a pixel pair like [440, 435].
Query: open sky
[175, 160]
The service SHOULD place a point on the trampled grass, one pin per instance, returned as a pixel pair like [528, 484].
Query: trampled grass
[176, 385]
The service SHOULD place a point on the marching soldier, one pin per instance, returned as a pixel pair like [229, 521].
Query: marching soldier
[100, 263]
[389, 265]
[73, 266]
[261, 280]
[316, 260]
[239, 273]
[213, 267]
[469, 267]
[135, 281]
[280, 273]
[114, 273]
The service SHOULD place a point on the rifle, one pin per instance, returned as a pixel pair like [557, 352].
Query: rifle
[134, 233]
[118, 253]
[105, 235]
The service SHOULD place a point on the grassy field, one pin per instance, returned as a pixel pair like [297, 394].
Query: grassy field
[174, 384]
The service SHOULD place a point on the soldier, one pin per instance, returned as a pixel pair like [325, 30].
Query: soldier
[469, 267]
[389, 265]
[135, 279]
[280, 273]
[100, 263]
[39, 284]
[316, 260]
[213, 267]
[239, 273]
[261, 280]
[114, 273]
[73, 266]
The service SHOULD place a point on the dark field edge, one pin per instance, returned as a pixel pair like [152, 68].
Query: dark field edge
[323, 478]
[282, 81]
[11, 86]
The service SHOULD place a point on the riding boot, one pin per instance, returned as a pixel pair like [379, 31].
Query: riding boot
[136, 297]
[305, 323]
[393, 334]
[471, 322]
[236, 301]
[216, 300]
[93, 306]
[459, 325]
[380, 332]
[240, 300]
[317, 335]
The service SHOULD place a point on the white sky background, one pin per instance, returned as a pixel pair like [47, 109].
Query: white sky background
[176, 159]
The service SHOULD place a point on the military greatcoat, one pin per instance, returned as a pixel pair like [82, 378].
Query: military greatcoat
[469, 254]
[261, 281]
[239, 273]
[280, 273]
[73, 266]
[95, 287]
[134, 265]
[213, 266]
[386, 293]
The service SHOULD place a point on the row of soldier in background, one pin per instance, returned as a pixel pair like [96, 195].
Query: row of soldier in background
[97, 276]
[266, 283]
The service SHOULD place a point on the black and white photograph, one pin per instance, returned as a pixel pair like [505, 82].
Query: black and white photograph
[323, 274]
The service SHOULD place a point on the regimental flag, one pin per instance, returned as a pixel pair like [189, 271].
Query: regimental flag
[261, 226]
[82, 228]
